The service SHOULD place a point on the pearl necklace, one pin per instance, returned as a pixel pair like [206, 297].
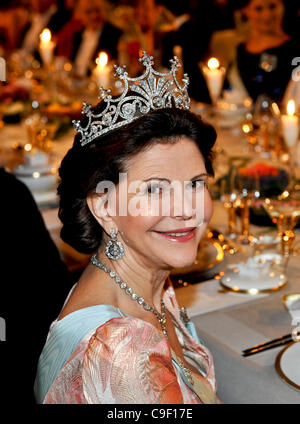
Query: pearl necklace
[128, 290]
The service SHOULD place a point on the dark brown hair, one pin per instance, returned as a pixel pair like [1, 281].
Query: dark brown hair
[103, 159]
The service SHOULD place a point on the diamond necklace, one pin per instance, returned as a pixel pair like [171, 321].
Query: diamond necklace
[128, 290]
[162, 318]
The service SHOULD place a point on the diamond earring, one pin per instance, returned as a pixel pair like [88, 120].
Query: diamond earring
[114, 249]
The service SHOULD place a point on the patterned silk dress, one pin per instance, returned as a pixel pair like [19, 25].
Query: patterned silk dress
[98, 355]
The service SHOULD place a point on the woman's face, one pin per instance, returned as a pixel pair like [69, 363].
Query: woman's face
[265, 16]
[91, 13]
[168, 207]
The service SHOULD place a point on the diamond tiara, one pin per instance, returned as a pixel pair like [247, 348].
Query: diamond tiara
[151, 91]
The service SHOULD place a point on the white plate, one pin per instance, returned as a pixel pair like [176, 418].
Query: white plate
[232, 110]
[45, 197]
[244, 282]
[28, 170]
[288, 364]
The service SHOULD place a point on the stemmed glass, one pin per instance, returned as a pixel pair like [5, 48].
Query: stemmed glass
[266, 118]
[249, 192]
[284, 210]
[40, 133]
[229, 197]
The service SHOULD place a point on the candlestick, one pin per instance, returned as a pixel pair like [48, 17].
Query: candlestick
[214, 76]
[290, 125]
[46, 47]
[102, 70]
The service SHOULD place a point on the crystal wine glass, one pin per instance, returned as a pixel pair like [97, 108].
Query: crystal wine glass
[284, 210]
[266, 118]
[249, 192]
[229, 197]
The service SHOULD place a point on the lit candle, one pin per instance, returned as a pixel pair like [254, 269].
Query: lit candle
[46, 47]
[290, 125]
[214, 75]
[102, 70]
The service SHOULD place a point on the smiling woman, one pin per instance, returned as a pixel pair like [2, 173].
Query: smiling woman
[120, 337]
[262, 64]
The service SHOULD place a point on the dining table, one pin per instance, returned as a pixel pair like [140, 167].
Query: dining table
[227, 322]
[230, 322]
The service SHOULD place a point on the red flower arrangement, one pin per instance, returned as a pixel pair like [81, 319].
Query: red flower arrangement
[259, 170]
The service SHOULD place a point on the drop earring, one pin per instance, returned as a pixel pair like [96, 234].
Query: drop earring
[114, 249]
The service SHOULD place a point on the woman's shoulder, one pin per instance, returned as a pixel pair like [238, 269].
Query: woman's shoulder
[122, 349]
[251, 50]
[127, 333]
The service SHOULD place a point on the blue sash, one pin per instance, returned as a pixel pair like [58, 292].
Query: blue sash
[63, 340]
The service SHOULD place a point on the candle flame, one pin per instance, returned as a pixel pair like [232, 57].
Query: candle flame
[291, 107]
[213, 63]
[102, 59]
[28, 147]
[246, 128]
[45, 36]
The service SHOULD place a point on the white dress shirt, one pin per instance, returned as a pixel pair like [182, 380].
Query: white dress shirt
[90, 40]
[39, 21]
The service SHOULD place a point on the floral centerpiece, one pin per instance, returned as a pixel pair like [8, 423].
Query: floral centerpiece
[272, 180]
[14, 100]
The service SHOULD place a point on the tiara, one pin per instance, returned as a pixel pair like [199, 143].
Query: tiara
[151, 91]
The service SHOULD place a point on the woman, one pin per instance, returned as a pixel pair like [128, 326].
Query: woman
[263, 63]
[120, 337]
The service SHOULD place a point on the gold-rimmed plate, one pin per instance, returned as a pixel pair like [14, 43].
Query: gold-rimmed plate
[241, 282]
[210, 259]
[288, 364]
[291, 301]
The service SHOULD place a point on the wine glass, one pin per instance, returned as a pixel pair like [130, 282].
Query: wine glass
[284, 210]
[229, 197]
[40, 132]
[247, 183]
[266, 118]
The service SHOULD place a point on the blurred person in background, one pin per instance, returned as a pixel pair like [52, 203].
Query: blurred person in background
[192, 32]
[64, 38]
[40, 14]
[292, 22]
[63, 14]
[21, 23]
[144, 24]
[13, 20]
[93, 34]
[34, 283]
[263, 63]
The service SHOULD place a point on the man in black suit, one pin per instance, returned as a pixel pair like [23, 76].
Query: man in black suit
[34, 283]
[96, 35]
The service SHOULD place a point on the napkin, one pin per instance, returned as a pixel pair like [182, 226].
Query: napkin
[253, 269]
[293, 306]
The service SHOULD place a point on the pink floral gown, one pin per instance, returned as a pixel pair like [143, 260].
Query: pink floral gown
[97, 355]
